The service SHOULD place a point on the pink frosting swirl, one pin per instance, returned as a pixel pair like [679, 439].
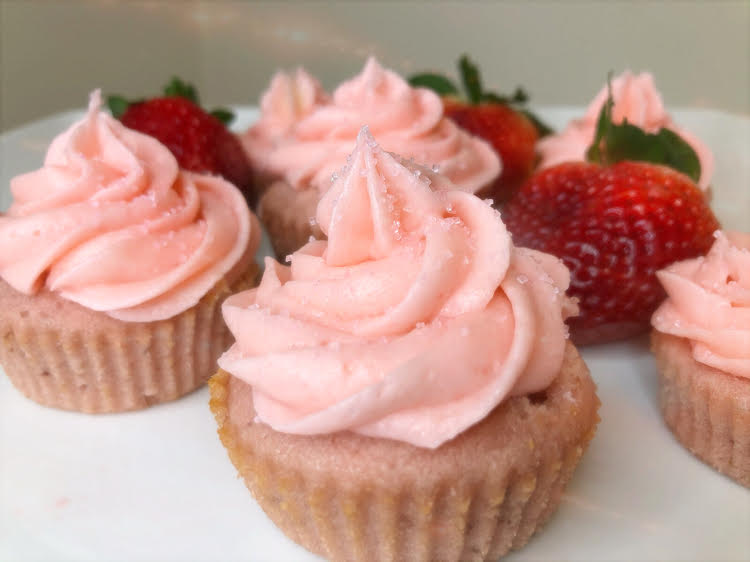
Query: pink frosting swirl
[405, 120]
[709, 304]
[111, 223]
[635, 99]
[289, 98]
[411, 322]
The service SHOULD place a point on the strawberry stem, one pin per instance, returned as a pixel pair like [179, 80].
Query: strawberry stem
[471, 80]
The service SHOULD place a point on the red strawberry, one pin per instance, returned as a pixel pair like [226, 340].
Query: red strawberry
[615, 225]
[200, 141]
[499, 120]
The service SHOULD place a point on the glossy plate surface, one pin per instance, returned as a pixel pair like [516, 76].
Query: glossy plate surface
[157, 484]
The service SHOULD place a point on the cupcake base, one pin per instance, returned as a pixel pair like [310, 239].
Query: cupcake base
[707, 410]
[289, 217]
[62, 355]
[350, 497]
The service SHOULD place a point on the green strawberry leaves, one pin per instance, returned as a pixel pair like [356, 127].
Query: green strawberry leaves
[180, 89]
[614, 143]
[118, 105]
[176, 87]
[519, 97]
[223, 115]
[471, 81]
[435, 82]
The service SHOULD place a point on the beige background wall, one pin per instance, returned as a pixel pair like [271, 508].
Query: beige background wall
[53, 53]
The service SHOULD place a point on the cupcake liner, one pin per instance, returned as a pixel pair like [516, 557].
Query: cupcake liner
[327, 494]
[707, 410]
[65, 356]
[288, 215]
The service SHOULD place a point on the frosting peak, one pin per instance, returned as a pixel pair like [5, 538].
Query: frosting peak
[371, 206]
[110, 222]
[709, 304]
[636, 99]
[290, 97]
[422, 109]
[412, 322]
[405, 120]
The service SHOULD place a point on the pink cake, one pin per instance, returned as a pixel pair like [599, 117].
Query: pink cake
[113, 267]
[405, 389]
[701, 340]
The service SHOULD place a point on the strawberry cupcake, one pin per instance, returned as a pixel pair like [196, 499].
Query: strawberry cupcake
[637, 101]
[368, 374]
[113, 267]
[313, 141]
[701, 340]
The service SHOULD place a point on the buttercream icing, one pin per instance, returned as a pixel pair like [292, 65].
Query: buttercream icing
[709, 304]
[412, 321]
[289, 98]
[405, 120]
[112, 223]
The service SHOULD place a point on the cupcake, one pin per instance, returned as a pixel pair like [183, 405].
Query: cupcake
[113, 265]
[636, 100]
[405, 389]
[701, 340]
[313, 141]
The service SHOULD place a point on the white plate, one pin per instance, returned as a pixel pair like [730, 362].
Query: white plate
[157, 484]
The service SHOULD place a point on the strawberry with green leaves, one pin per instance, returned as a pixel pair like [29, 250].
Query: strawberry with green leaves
[501, 121]
[200, 141]
[632, 209]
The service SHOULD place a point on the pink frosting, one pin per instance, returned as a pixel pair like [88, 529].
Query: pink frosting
[709, 303]
[111, 223]
[289, 98]
[635, 99]
[405, 120]
[411, 322]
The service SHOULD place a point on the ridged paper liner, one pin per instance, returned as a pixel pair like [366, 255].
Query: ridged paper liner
[464, 503]
[65, 356]
[288, 215]
[707, 410]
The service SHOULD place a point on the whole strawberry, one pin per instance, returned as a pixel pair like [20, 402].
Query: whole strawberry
[615, 221]
[501, 121]
[200, 141]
